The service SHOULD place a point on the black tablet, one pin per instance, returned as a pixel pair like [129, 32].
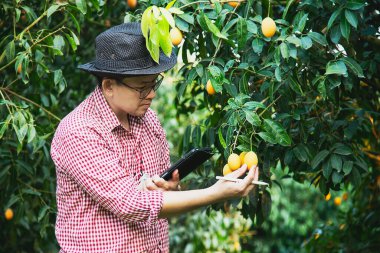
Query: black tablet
[189, 162]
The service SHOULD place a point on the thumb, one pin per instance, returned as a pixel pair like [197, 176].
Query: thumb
[239, 172]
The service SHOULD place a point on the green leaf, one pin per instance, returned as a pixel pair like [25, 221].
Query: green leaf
[277, 74]
[345, 28]
[302, 23]
[187, 17]
[10, 51]
[168, 16]
[300, 152]
[337, 177]
[353, 65]
[277, 130]
[347, 167]
[287, 8]
[21, 132]
[317, 37]
[42, 212]
[332, 18]
[165, 42]
[242, 32]
[58, 42]
[82, 6]
[284, 50]
[343, 150]
[326, 169]
[356, 177]
[213, 28]
[52, 9]
[336, 68]
[257, 45]
[57, 76]
[221, 139]
[170, 4]
[251, 105]
[319, 158]
[146, 20]
[351, 18]
[268, 137]
[251, 27]
[294, 40]
[355, 5]
[295, 85]
[335, 34]
[306, 42]
[336, 162]
[31, 133]
[252, 118]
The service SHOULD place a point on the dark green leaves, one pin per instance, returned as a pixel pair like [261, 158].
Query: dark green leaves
[353, 65]
[242, 32]
[212, 27]
[351, 18]
[275, 133]
[319, 158]
[317, 37]
[336, 68]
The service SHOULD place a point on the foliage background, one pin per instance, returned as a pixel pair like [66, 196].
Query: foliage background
[314, 84]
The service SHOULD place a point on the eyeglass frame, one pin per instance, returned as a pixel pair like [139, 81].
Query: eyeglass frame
[153, 87]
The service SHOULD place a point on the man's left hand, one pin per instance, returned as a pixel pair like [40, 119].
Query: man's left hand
[157, 183]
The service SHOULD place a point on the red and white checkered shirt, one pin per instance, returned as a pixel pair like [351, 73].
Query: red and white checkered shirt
[99, 166]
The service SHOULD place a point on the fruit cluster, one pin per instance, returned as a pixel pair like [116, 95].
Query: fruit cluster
[235, 161]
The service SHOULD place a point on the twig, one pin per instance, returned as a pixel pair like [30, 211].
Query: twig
[30, 101]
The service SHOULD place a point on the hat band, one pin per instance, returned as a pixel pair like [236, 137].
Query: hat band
[112, 65]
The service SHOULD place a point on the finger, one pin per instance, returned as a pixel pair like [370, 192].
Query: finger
[250, 176]
[239, 172]
[160, 182]
[150, 185]
[175, 176]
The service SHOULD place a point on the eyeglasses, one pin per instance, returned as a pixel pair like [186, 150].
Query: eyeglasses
[144, 92]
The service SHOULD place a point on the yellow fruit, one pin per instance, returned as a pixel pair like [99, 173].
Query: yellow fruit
[8, 214]
[132, 3]
[233, 4]
[234, 161]
[328, 197]
[337, 201]
[226, 170]
[242, 154]
[268, 27]
[19, 68]
[210, 90]
[176, 36]
[345, 196]
[250, 159]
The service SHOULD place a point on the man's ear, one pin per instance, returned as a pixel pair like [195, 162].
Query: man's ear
[108, 86]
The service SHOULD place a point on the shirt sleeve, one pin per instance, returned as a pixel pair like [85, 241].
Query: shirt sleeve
[88, 161]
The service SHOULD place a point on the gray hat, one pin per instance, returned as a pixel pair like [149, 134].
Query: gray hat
[121, 50]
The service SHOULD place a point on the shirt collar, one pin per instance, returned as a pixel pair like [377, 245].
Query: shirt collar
[108, 116]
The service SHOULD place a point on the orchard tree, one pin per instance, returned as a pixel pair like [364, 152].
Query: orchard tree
[297, 82]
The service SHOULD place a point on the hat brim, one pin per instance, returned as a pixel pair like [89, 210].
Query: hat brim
[165, 64]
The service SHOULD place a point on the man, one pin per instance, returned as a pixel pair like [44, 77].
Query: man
[106, 146]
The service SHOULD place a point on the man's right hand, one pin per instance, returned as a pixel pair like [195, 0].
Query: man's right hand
[230, 189]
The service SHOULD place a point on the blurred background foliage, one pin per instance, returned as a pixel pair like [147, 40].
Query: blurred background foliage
[42, 42]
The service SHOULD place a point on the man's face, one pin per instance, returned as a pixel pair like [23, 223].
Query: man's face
[130, 95]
